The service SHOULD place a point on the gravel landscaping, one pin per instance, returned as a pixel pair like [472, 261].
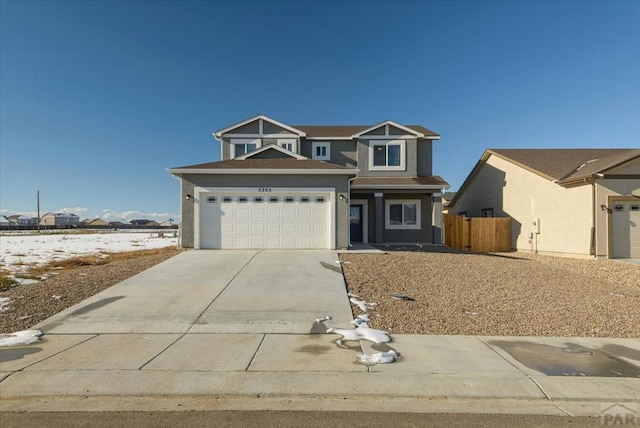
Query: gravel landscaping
[510, 294]
[455, 293]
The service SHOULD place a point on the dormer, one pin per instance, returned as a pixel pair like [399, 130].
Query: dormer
[393, 149]
[256, 132]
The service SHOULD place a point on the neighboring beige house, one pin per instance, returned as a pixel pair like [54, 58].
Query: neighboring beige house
[95, 222]
[576, 202]
[313, 186]
[59, 219]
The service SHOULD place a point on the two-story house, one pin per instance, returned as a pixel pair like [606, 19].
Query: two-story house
[299, 186]
[60, 220]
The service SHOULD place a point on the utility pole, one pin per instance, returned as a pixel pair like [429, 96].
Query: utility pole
[38, 199]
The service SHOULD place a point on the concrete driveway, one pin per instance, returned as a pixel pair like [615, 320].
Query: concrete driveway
[235, 324]
[237, 291]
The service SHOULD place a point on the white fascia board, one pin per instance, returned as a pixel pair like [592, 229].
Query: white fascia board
[261, 135]
[328, 139]
[257, 171]
[392, 123]
[218, 134]
[388, 137]
[400, 187]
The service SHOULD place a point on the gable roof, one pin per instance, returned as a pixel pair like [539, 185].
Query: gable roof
[293, 130]
[351, 131]
[333, 131]
[271, 147]
[563, 166]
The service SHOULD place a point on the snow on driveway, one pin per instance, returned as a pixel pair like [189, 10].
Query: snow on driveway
[20, 251]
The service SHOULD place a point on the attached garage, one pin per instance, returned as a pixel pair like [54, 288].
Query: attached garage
[270, 218]
[625, 240]
[269, 198]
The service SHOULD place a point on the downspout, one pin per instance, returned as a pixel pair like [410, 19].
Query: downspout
[179, 245]
[592, 249]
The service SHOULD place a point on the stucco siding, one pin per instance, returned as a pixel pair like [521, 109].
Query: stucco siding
[564, 215]
[343, 152]
[425, 158]
[424, 234]
[337, 182]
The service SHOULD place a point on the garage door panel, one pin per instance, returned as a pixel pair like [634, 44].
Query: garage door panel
[305, 228]
[258, 213]
[243, 227]
[250, 221]
[273, 228]
[274, 213]
[626, 230]
[288, 213]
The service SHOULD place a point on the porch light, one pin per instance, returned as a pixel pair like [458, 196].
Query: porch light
[188, 197]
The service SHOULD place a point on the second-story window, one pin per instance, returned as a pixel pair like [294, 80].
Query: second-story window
[240, 146]
[387, 155]
[287, 143]
[320, 151]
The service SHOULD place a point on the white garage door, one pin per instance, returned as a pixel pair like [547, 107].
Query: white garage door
[626, 230]
[265, 220]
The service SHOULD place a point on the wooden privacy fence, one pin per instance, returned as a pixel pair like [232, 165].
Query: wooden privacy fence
[477, 234]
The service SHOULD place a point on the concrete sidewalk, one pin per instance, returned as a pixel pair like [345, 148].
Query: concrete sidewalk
[236, 325]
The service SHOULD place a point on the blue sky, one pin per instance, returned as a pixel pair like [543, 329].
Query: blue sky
[98, 98]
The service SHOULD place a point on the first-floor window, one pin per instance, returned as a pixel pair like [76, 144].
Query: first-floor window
[403, 214]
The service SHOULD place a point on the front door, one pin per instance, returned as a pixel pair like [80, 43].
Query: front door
[355, 223]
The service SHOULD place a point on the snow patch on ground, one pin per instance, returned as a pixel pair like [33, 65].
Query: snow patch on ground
[19, 338]
[21, 251]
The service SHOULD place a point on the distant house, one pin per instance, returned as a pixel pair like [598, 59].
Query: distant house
[6, 222]
[446, 198]
[576, 202]
[91, 222]
[24, 220]
[60, 220]
[116, 224]
[140, 222]
[166, 223]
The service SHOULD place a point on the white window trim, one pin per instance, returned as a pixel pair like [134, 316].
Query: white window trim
[316, 144]
[234, 141]
[292, 141]
[401, 143]
[387, 212]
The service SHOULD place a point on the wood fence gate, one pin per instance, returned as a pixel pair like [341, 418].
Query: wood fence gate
[477, 234]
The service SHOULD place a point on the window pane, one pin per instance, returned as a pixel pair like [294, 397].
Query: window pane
[394, 155]
[395, 214]
[379, 156]
[251, 147]
[409, 214]
[240, 149]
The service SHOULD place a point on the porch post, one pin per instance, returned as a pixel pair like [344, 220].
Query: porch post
[436, 219]
[379, 218]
